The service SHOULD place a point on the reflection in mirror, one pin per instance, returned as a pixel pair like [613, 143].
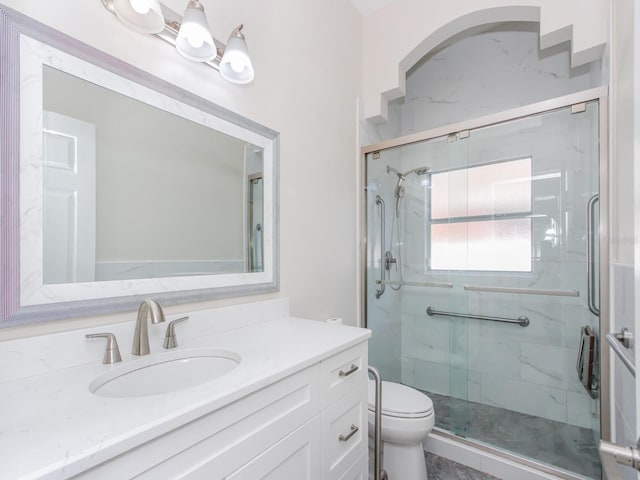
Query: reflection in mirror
[255, 222]
[131, 191]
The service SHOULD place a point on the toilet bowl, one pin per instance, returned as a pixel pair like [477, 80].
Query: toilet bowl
[407, 418]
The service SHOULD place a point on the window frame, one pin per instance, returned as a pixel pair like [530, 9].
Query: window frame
[478, 218]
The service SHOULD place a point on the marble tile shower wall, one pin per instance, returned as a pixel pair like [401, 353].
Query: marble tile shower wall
[486, 73]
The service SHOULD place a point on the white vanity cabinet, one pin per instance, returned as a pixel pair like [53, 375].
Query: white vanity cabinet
[309, 425]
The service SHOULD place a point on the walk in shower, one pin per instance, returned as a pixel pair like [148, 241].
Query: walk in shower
[483, 283]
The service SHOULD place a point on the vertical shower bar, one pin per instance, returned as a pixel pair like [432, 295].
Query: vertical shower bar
[378, 472]
[591, 271]
[380, 201]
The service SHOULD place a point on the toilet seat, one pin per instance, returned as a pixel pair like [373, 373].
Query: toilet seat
[400, 401]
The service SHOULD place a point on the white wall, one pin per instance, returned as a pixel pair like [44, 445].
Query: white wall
[306, 87]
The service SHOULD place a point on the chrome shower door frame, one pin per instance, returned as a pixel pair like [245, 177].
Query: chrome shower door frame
[599, 94]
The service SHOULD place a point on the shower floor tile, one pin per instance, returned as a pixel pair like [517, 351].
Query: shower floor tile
[440, 468]
[564, 446]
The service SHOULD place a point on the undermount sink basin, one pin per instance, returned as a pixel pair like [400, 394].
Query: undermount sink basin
[165, 373]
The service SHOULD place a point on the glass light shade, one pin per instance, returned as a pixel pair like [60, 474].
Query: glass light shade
[194, 38]
[143, 16]
[235, 65]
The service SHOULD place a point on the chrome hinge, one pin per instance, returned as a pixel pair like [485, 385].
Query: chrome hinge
[579, 107]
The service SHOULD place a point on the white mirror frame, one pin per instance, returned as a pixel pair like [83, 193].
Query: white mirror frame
[27, 46]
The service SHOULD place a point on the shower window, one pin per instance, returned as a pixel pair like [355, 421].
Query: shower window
[480, 218]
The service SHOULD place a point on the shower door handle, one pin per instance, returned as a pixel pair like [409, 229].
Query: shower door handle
[591, 279]
[613, 455]
[380, 201]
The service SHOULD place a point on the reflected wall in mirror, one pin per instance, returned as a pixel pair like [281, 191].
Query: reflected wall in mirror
[117, 186]
[131, 191]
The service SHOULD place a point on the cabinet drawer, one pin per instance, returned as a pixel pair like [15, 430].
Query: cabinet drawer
[343, 372]
[296, 456]
[344, 433]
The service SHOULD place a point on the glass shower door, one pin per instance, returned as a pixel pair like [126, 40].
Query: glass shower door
[407, 346]
[477, 294]
[524, 392]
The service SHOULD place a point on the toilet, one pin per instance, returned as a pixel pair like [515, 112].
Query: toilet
[407, 418]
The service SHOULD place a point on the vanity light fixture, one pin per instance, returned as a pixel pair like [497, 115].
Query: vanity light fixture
[235, 65]
[194, 38]
[144, 16]
[189, 34]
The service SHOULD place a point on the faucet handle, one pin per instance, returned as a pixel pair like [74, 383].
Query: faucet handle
[112, 352]
[170, 336]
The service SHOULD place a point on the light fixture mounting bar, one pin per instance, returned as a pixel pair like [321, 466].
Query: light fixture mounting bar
[172, 22]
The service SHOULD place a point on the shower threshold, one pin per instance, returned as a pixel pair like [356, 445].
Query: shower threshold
[562, 447]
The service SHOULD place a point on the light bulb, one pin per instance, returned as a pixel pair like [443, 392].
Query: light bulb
[140, 6]
[194, 38]
[237, 65]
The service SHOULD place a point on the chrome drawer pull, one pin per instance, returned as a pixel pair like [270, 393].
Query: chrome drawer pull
[353, 369]
[344, 438]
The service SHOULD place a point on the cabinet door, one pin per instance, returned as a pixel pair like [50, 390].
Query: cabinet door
[215, 444]
[296, 456]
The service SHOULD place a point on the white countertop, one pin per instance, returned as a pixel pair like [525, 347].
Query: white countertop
[51, 426]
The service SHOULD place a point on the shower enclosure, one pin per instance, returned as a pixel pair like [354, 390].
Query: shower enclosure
[484, 278]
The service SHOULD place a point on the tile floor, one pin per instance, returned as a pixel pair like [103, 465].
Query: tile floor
[564, 446]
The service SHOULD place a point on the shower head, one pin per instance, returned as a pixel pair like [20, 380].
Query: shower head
[417, 171]
[402, 180]
[420, 171]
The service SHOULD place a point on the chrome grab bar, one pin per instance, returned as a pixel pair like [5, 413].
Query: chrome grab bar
[380, 201]
[525, 291]
[615, 341]
[522, 321]
[591, 281]
[378, 472]
[416, 284]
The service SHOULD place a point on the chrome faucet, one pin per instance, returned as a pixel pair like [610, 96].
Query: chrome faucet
[141, 336]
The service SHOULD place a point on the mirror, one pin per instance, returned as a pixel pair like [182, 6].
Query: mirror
[129, 187]
[132, 191]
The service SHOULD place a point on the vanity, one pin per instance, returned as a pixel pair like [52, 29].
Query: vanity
[294, 406]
